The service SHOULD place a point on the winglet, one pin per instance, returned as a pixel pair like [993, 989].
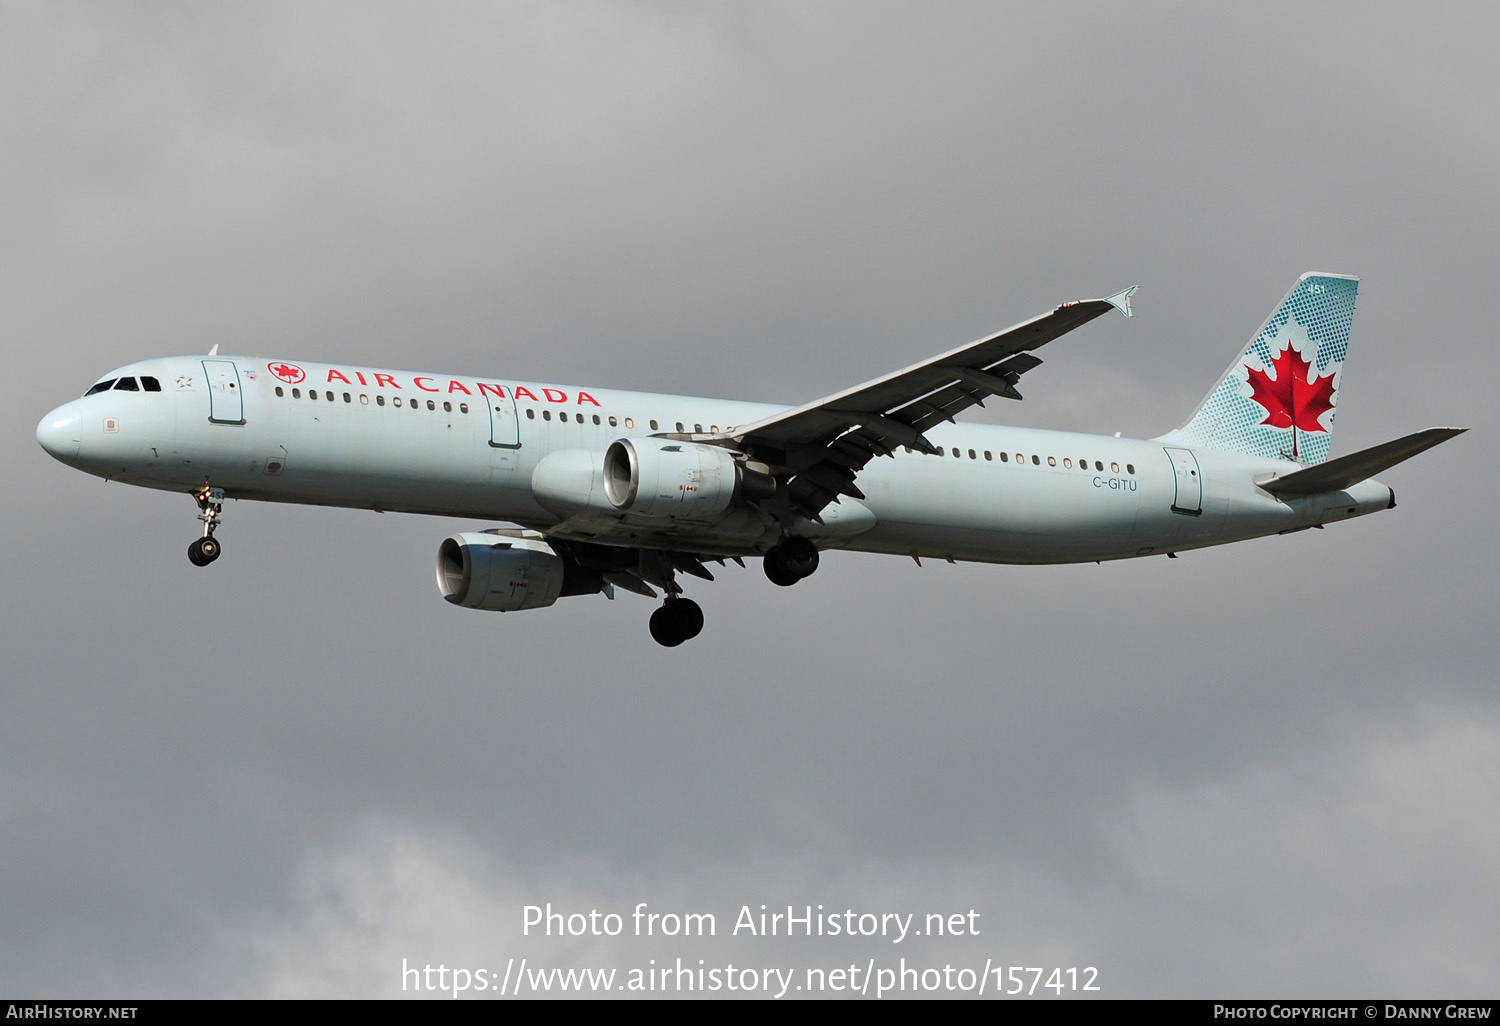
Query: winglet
[1121, 300]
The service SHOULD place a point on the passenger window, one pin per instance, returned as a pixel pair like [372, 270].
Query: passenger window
[150, 384]
[1114, 468]
[296, 393]
[955, 454]
[1020, 458]
[972, 456]
[312, 393]
[697, 429]
[1067, 463]
[989, 457]
[1051, 461]
[103, 386]
[463, 407]
[326, 395]
[531, 415]
[630, 422]
[396, 401]
[563, 417]
[447, 407]
[679, 427]
[1005, 457]
[432, 405]
[1130, 468]
[1036, 461]
[364, 400]
[379, 399]
[1098, 466]
[653, 425]
[279, 392]
[596, 420]
[127, 385]
[714, 428]
[348, 398]
[612, 422]
[546, 414]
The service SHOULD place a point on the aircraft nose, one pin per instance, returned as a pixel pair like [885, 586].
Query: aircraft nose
[60, 433]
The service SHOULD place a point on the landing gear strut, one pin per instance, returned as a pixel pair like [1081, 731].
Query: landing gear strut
[790, 561]
[206, 549]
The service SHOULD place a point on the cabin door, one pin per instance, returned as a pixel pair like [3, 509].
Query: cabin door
[226, 404]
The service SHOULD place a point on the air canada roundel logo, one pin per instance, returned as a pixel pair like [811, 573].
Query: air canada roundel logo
[288, 372]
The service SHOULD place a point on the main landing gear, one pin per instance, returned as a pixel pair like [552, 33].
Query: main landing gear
[678, 620]
[211, 511]
[791, 560]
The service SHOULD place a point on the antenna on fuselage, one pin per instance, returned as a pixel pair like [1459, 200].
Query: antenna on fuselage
[215, 350]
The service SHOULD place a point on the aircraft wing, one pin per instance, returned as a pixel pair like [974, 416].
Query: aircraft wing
[819, 448]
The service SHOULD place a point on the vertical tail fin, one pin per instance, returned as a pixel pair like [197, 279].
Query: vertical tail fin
[1277, 399]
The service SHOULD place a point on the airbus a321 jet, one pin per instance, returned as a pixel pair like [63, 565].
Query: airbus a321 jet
[634, 491]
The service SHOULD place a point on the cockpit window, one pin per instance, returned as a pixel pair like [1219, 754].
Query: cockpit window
[150, 384]
[127, 385]
[103, 386]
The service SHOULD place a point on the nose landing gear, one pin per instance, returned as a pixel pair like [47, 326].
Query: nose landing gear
[206, 549]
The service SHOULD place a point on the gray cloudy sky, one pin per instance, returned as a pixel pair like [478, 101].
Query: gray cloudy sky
[1266, 770]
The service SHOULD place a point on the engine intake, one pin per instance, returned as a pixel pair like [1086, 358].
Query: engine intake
[505, 574]
[656, 477]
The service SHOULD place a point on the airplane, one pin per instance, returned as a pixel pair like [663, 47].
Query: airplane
[629, 490]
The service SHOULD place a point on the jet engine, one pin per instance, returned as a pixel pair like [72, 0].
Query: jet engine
[656, 477]
[507, 573]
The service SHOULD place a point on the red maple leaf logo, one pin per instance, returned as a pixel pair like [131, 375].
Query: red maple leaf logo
[1291, 400]
[288, 372]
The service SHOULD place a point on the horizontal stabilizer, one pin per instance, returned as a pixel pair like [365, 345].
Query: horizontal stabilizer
[1336, 475]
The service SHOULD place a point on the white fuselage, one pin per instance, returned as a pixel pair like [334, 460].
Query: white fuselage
[471, 447]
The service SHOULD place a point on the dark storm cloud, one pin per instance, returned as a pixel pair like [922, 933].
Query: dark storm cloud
[286, 774]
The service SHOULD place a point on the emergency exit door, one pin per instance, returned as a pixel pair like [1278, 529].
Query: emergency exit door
[1189, 497]
[505, 427]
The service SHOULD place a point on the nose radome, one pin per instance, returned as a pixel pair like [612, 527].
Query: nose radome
[60, 433]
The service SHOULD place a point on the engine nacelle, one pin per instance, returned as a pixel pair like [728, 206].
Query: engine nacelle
[657, 477]
[504, 573]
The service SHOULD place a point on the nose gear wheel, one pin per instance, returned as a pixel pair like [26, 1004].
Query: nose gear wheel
[206, 549]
